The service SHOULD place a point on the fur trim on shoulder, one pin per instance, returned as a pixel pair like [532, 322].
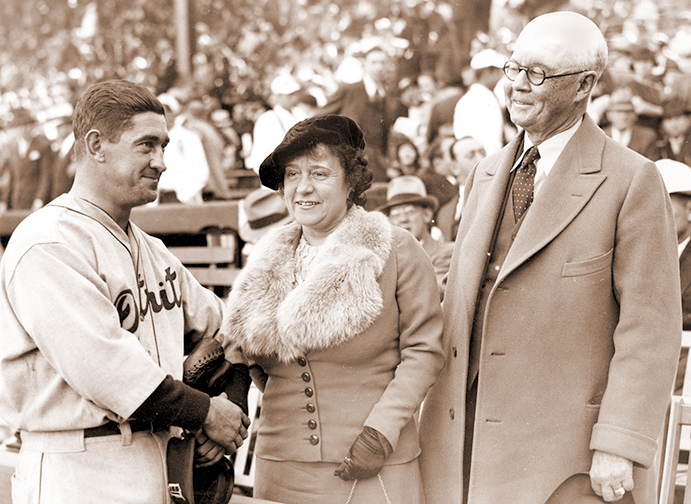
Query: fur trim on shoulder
[268, 314]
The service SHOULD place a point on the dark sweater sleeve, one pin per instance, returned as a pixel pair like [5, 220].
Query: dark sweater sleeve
[174, 403]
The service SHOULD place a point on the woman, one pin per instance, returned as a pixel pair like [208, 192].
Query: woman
[340, 311]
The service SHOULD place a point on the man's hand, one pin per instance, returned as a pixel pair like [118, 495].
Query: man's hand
[611, 476]
[207, 452]
[226, 424]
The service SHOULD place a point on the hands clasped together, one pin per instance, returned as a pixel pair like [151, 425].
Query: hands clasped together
[223, 431]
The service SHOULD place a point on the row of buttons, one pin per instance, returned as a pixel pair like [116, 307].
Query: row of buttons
[311, 408]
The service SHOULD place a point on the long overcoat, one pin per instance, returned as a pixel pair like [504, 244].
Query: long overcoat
[581, 333]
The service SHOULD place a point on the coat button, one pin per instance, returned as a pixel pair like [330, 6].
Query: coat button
[302, 361]
[306, 377]
[309, 392]
[314, 439]
[310, 408]
[452, 413]
[455, 351]
[312, 424]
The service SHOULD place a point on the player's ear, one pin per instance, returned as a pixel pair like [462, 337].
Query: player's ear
[94, 145]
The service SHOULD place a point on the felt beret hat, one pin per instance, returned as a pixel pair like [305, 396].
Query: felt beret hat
[329, 129]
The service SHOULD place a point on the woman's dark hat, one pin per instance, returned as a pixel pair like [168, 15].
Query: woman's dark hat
[324, 129]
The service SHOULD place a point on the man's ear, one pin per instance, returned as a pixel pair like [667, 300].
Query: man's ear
[587, 84]
[428, 214]
[94, 145]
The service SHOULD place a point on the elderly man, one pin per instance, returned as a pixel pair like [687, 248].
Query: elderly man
[562, 334]
[408, 206]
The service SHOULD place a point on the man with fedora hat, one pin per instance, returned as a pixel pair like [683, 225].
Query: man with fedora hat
[408, 206]
[261, 211]
[28, 166]
[623, 127]
[676, 131]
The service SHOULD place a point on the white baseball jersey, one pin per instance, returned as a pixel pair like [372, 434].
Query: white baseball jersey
[93, 318]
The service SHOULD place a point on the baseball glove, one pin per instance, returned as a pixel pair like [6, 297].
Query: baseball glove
[206, 369]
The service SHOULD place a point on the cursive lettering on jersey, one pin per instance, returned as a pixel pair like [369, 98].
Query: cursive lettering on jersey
[167, 298]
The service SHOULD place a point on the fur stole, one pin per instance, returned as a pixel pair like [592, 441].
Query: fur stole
[269, 315]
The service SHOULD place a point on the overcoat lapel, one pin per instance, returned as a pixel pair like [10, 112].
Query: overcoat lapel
[564, 194]
[475, 233]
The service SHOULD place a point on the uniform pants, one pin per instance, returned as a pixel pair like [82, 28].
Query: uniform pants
[128, 468]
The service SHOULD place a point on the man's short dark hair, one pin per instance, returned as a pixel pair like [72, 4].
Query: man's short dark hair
[109, 107]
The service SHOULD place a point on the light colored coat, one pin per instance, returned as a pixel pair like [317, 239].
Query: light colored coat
[362, 332]
[581, 334]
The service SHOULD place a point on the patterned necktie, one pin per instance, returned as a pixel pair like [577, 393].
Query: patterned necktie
[524, 183]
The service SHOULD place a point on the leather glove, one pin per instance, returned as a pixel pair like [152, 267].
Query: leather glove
[207, 370]
[238, 386]
[366, 456]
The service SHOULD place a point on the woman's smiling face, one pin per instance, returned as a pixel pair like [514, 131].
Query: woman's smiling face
[315, 190]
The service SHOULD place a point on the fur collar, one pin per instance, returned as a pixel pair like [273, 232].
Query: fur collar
[268, 315]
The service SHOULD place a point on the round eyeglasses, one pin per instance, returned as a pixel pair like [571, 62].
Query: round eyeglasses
[536, 75]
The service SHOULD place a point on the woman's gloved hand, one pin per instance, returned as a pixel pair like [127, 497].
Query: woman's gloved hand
[366, 456]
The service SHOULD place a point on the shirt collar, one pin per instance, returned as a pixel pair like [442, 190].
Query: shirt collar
[683, 245]
[550, 150]
[370, 86]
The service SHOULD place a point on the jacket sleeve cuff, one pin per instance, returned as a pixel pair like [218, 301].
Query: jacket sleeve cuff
[174, 403]
[631, 445]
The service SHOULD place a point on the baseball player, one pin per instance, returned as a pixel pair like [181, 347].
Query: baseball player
[96, 316]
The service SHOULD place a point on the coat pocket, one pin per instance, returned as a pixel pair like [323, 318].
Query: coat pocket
[589, 266]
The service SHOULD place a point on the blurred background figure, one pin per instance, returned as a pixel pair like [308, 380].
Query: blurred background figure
[408, 206]
[272, 125]
[623, 127]
[28, 163]
[259, 212]
[675, 141]
[196, 119]
[187, 169]
[677, 178]
[465, 154]
[479, 112]
[373, 106]
[64, 166]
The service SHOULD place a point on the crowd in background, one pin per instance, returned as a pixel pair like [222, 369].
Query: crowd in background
[413, 126]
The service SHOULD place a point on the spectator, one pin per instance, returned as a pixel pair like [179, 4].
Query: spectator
[196, 119]
[441, 109]
[465, 154]
[562, 308]
[259, 212]
[406, 159]
[372, 106]
[409, 207]
[676, 131]
[272, 125]
[92, 379]
[28, 165]
[623, 127]
[64, 162]
[479, 113]
[187, 170]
